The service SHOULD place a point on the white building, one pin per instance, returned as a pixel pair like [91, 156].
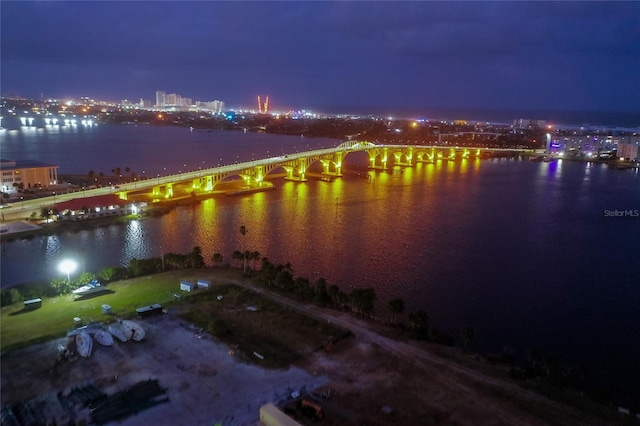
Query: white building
[161, 98]
[628, 151]
[591, 142]
[27, 174]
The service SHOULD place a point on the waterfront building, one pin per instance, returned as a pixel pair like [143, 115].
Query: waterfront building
[592, 143]
[98, 206]
[27, 174]
[629, 150]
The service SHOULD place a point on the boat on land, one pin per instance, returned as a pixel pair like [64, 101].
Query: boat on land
[103, 337]
[133, 330]
[118, 332]
[91, 288]
[90, 328]
[84, 343]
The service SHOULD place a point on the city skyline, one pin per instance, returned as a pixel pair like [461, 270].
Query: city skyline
[348, 56]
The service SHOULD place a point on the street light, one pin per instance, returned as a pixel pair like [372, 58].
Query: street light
[67, 266]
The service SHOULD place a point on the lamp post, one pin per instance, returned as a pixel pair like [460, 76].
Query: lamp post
[67, 266]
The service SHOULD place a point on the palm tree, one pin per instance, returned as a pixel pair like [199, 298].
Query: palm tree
[195, 258]
[396, 307]
[243, 231]
[467, 334]
[419, 322]
[217, 258]
[237, 255]
[255, 255]
[246, 257]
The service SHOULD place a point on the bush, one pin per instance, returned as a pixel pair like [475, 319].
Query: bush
[107, 273]
[10, 296]
[60, 286]
[218, 328]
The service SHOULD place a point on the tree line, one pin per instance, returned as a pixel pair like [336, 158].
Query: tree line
[280, 278]
[135, 268]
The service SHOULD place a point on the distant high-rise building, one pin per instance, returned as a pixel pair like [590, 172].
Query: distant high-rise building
[175, 102]
[171, 99]
[161, 98]
[213, 106]
[524, 123]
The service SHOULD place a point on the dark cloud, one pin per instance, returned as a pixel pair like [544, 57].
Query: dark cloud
[542, 55]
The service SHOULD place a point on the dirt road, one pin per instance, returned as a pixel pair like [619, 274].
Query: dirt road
[491, 399]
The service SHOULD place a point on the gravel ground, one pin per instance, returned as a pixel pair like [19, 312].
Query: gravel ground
[204, 383]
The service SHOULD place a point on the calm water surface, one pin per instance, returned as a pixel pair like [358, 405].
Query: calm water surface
[521, 251]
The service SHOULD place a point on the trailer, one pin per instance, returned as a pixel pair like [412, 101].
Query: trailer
[32, 304]
[148, 311]
[204, 283]
[186, 286]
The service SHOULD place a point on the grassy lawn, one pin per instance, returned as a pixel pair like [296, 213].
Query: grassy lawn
[243, 319]
[249, 322]
[19, 328]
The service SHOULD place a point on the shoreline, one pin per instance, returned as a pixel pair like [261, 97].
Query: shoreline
[375, 366]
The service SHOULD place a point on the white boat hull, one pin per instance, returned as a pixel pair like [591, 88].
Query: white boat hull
[103, 337]
[118, 332]
[84, 344]
[133, 330]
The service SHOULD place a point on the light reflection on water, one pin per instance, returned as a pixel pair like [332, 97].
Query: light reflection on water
[519, 250]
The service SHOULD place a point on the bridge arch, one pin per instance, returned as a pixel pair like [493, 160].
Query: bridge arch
[356, 145]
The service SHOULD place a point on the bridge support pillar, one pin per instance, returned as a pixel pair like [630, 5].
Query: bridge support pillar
[426, 157]
[297, 172]
[259, 173]
[475, 154]
[373, 154]
[408, 154]
[337, 161]
[159, 192]
[204, 183]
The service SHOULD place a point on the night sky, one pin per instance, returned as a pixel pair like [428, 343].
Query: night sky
[378, 56]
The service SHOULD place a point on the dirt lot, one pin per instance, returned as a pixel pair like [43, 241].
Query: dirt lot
[374, 380]
[204, 383]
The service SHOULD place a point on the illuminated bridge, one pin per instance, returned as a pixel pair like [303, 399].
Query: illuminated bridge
[251, 174]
